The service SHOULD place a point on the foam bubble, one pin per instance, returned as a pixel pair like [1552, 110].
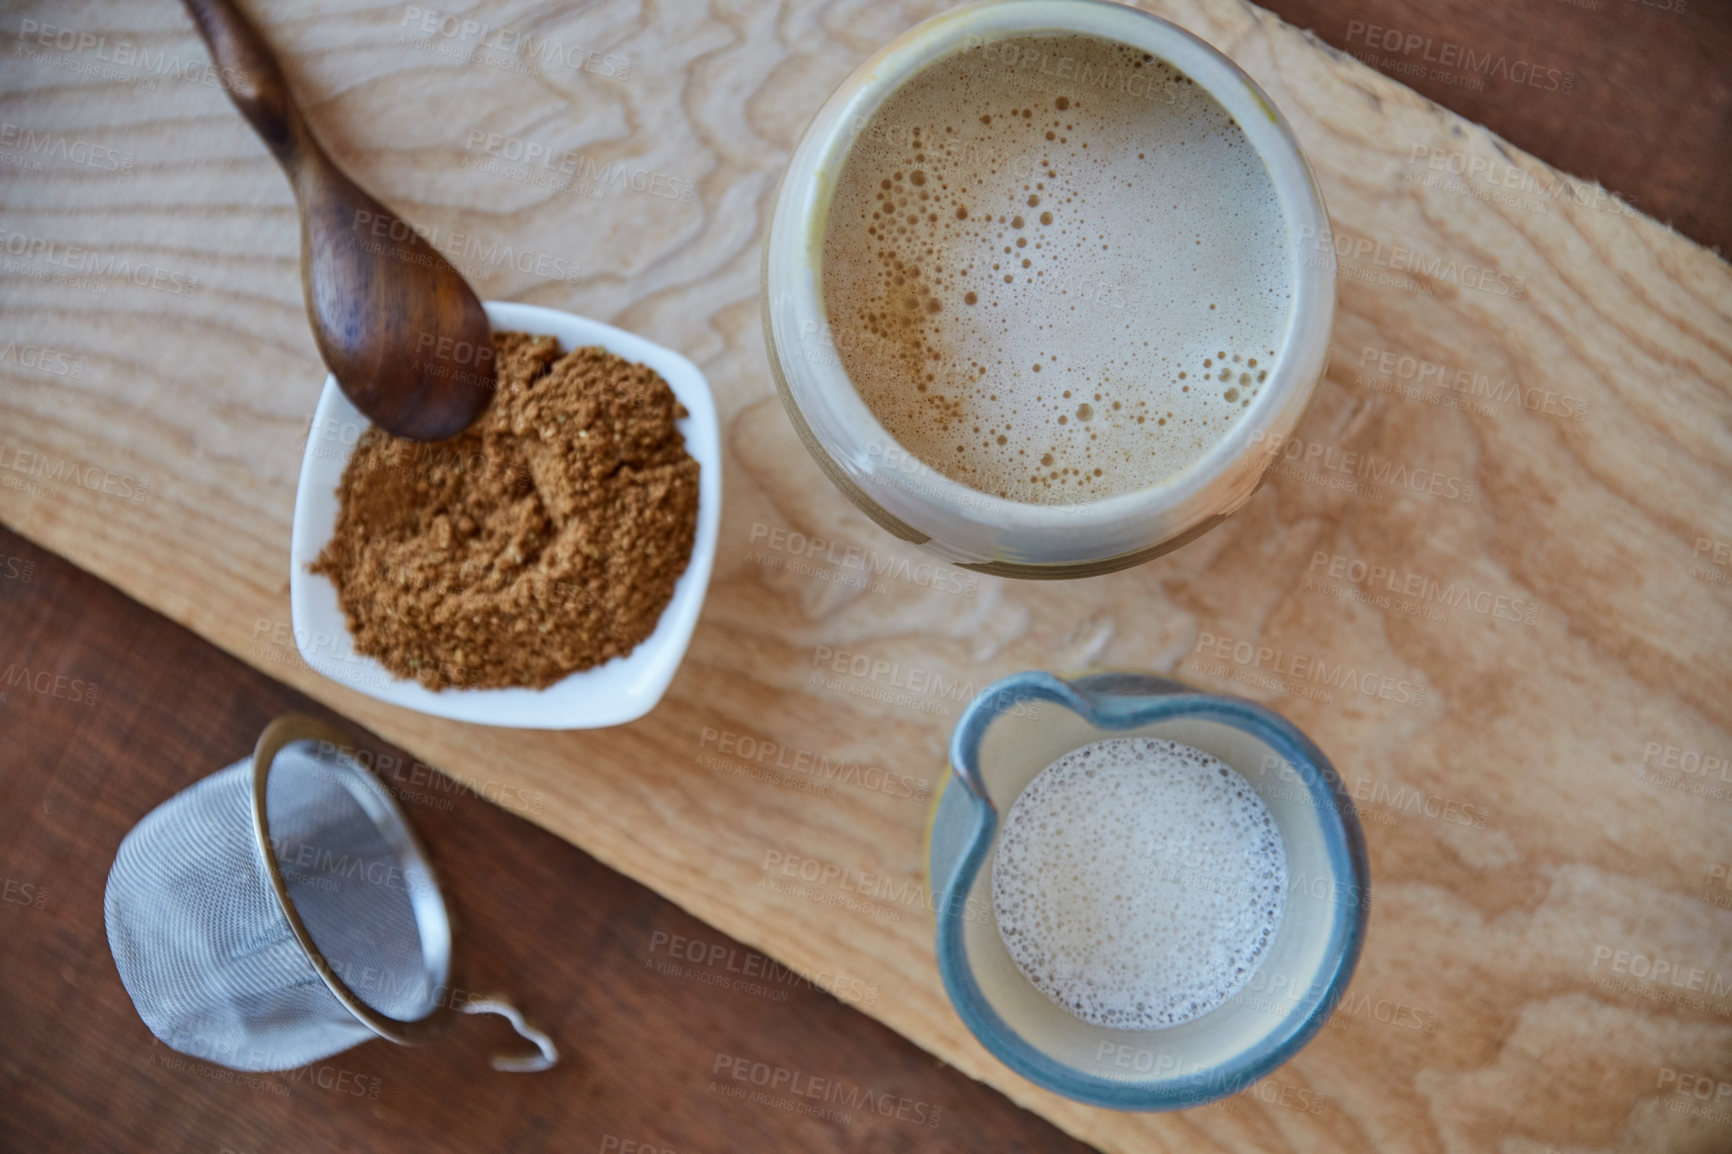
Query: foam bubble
[1138, 882]
[1055, 289]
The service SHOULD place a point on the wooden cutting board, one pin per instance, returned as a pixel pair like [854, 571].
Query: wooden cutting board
[1507, 512]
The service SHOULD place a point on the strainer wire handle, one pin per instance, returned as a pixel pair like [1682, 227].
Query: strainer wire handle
[527, 1064]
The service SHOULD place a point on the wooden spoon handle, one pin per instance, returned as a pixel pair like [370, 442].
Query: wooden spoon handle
[255, 82]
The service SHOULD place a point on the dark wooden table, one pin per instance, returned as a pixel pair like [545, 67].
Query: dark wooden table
[606, 964]
[1636, 94]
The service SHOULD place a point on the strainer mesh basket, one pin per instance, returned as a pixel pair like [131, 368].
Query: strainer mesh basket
[206, 942]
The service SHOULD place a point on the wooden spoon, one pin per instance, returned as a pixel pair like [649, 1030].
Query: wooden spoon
[398, 327]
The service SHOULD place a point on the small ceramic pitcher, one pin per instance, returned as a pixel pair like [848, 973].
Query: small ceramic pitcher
[1018, 727]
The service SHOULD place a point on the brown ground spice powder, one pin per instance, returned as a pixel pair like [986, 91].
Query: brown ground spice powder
[543, 540]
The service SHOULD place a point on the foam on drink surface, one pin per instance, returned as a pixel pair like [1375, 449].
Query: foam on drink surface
[1055, 268]
[1138, 882]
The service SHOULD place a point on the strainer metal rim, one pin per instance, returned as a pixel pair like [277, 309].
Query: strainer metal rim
[432, 916]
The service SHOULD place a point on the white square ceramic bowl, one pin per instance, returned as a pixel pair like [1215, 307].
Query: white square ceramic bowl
[621, 690]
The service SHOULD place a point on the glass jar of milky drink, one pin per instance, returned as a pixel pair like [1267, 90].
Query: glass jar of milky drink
[1035, 289]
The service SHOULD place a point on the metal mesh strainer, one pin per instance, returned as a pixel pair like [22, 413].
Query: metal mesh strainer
[282, 910]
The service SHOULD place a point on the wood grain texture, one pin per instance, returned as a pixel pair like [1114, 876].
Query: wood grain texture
[1529, 867]
[645, 1000]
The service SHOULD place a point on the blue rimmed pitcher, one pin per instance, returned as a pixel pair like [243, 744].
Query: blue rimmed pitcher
[1022, 724]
